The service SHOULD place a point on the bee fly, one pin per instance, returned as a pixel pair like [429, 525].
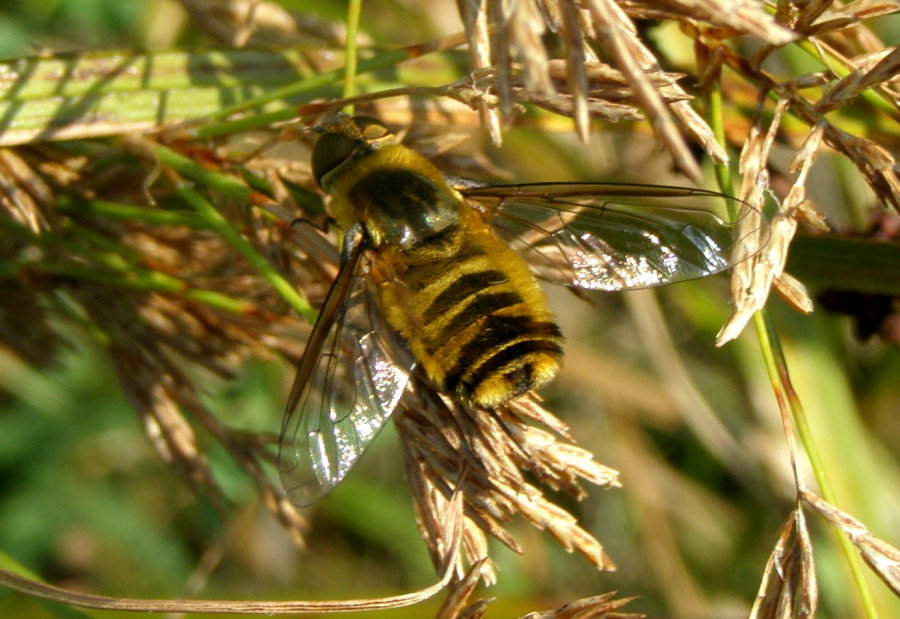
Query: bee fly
[446, 278]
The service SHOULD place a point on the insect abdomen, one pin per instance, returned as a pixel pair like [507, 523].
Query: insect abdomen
[485, 332]
[469, 307]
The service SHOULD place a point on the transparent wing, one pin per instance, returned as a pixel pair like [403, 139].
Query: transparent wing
[349, 380]
[608, 236]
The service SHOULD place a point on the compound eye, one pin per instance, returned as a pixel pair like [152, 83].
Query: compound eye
[331, 150]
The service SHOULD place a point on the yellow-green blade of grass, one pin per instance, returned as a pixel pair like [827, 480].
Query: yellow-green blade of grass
[865, 481]
[92, 94]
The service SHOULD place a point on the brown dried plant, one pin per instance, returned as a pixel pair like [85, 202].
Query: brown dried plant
[117, 238]
[163, 297]
[860, 60]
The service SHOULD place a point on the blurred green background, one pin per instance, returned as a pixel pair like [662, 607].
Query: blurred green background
[86, 503]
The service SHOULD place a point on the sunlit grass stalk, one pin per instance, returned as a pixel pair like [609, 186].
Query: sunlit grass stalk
[12, 565]
[157, 217]
[220, 126]
[717, 124]
[354, 9]
[121, 274]
[805, 45]
[334, 76]
[93, 73]
[224, 184]
[779, 376]
[206, 217]
[120, 266]
[219, 224]
[871, 95]
[328, 78]
[248, 123]
[776, 365]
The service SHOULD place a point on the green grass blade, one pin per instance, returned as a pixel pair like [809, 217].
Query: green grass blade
[93, 94]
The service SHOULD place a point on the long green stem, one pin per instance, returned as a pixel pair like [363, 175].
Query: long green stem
[220, 125]
[217, 222]
[386, 59]
[206, 217]
[716, 116]
[152, 216]
[873, 96]
[717, 123]
[120, 274]
[779, 376]
[353, 12]
[773, 356]
[223, 184]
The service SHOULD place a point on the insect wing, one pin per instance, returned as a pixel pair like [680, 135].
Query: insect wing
[349, 381]
[607, 236]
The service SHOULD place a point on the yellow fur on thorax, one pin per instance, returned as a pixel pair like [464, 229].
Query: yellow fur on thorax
[394, 156]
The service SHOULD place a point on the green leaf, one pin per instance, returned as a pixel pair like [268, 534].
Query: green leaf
[104, 93]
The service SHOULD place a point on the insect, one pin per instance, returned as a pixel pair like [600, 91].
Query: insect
[443, 280]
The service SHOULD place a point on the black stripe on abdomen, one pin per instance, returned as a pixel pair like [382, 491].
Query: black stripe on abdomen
[478, 308]
[460, 290]
[520, 375]
[490, 350]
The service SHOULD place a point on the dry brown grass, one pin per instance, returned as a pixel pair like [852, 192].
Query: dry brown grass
[166, 297]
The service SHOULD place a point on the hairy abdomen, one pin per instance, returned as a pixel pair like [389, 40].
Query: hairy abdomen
[479, 322]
